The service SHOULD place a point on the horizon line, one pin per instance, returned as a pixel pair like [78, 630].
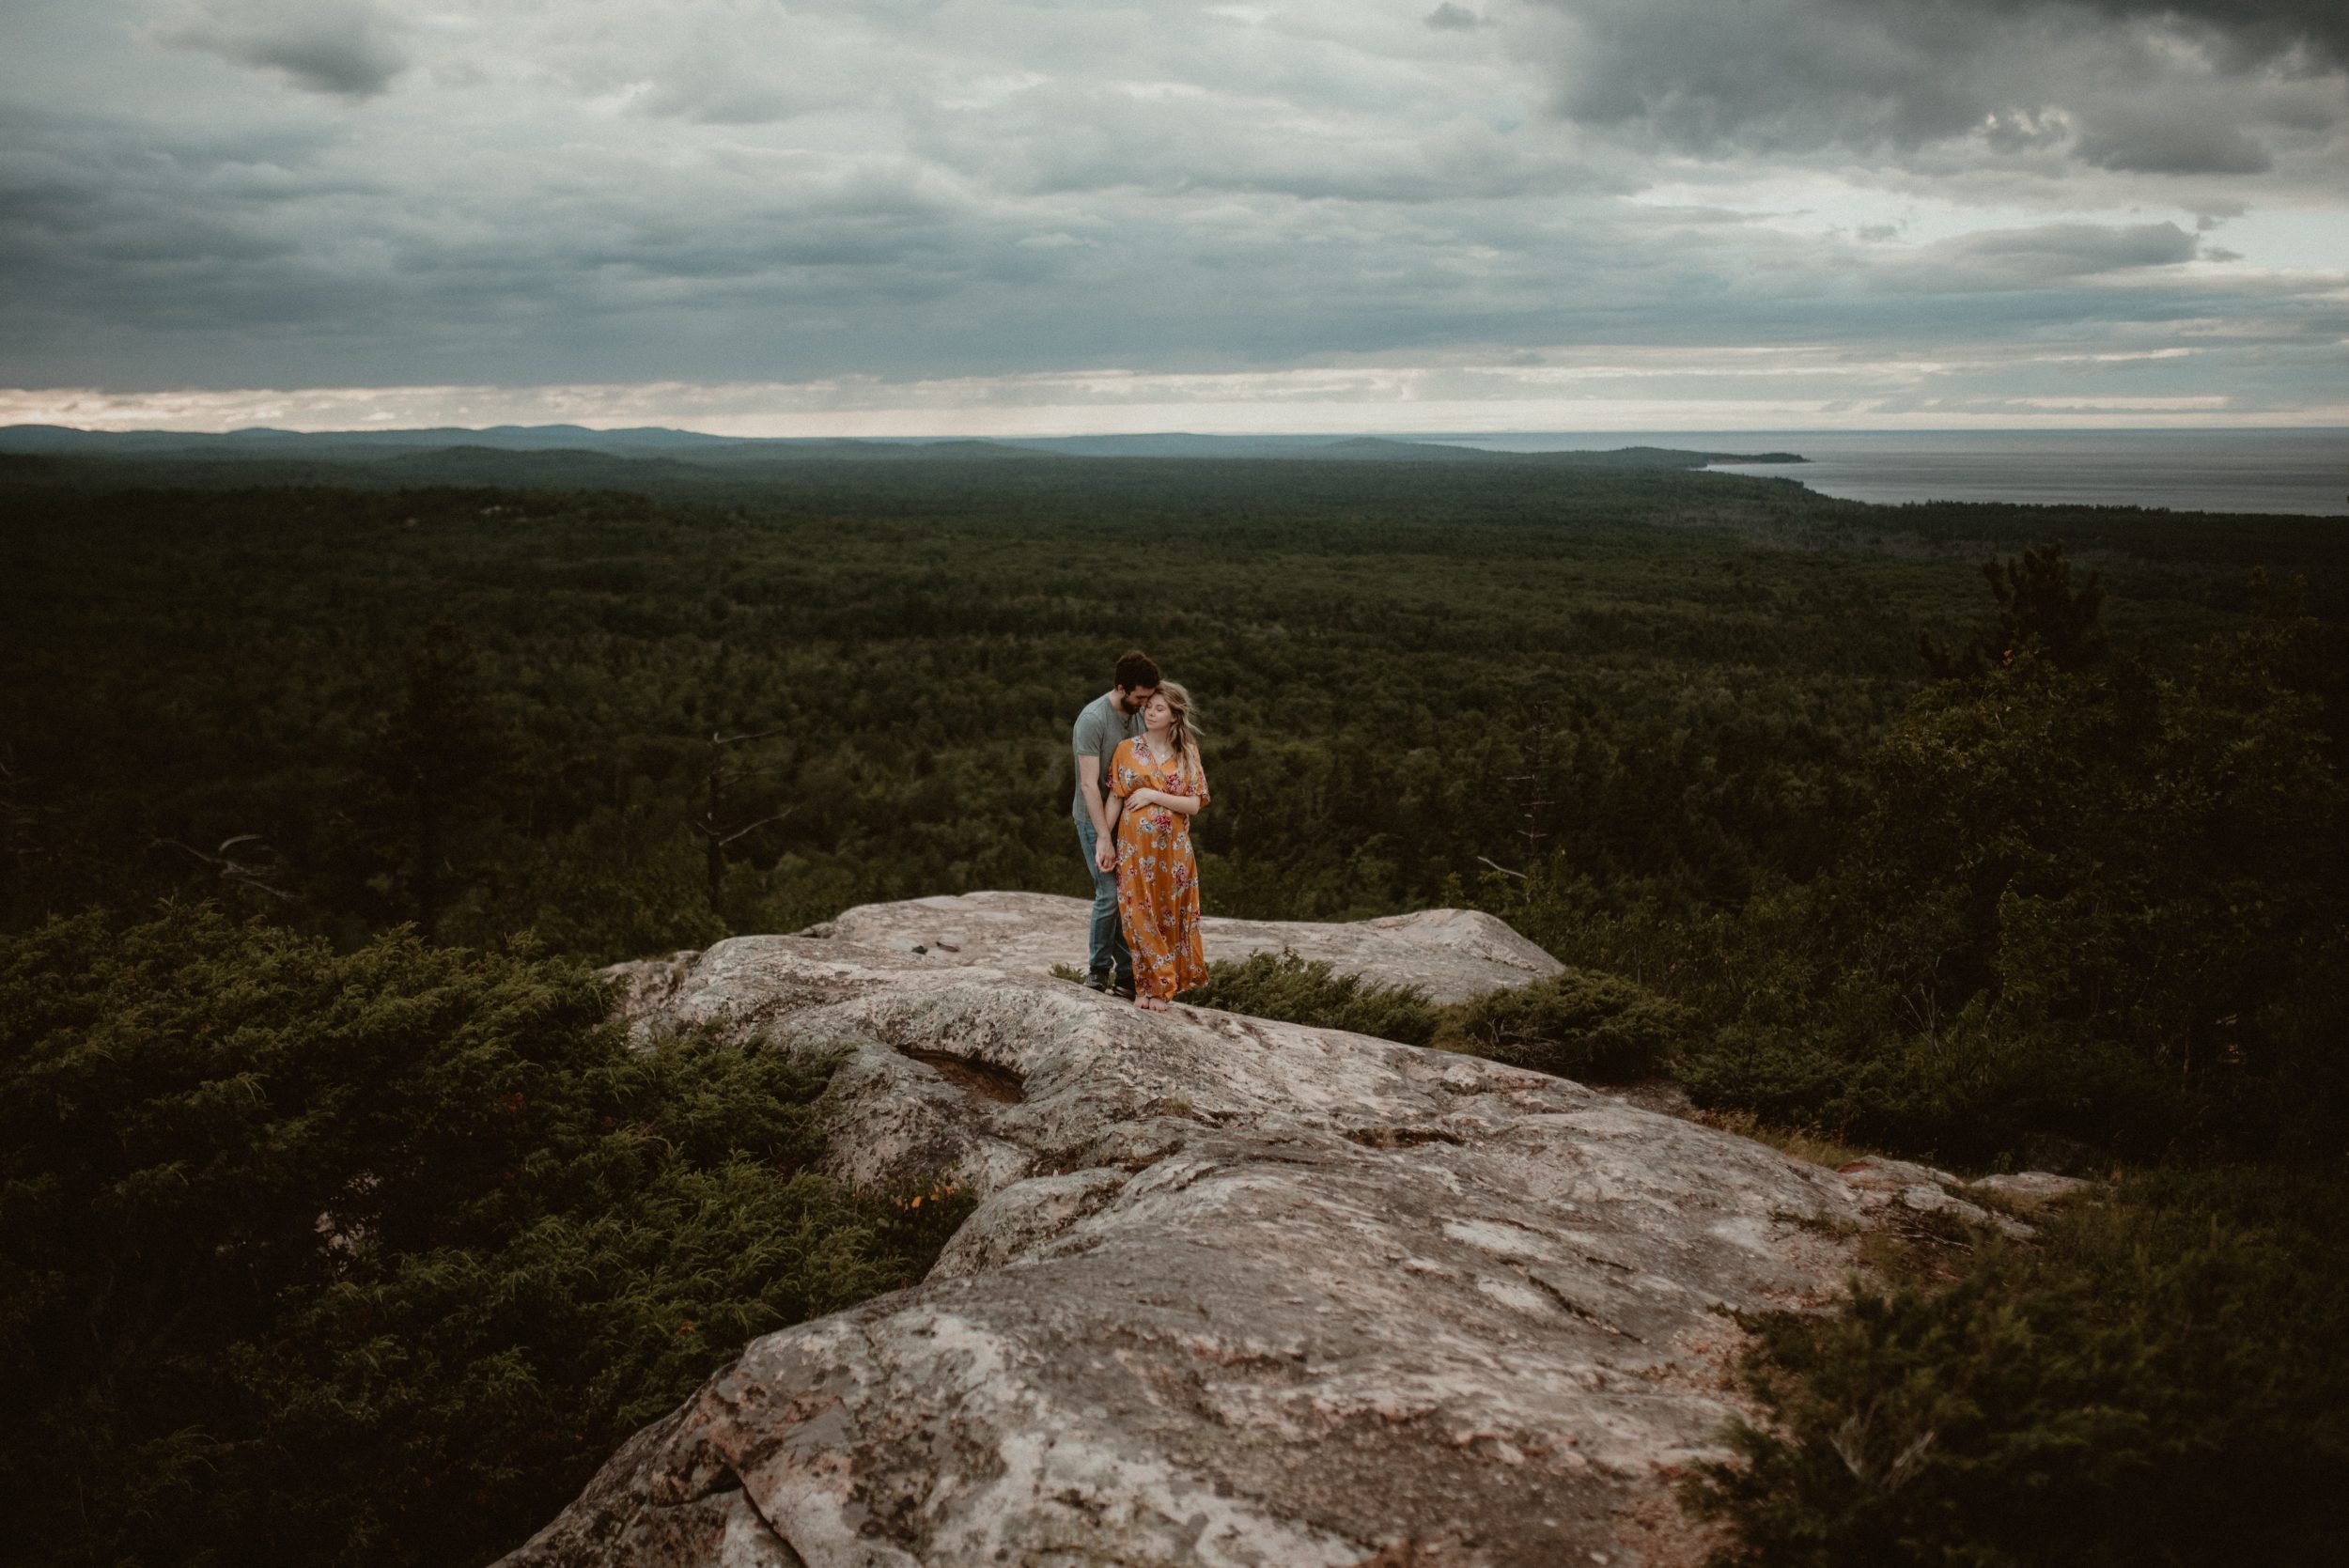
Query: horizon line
[1204, 433]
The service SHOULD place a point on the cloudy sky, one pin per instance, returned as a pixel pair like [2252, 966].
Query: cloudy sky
[941, 216]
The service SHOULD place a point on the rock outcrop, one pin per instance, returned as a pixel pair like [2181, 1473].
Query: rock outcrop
[1452, 954]
[1236, 1292]
[1880, 1182]
[2034, 1188]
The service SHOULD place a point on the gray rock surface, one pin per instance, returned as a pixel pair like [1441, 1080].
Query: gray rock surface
[1878, 1173]
[1452, 954]
[1236, 1292]
[1879, 1182]
[1925, 1198]
[2034, 1188]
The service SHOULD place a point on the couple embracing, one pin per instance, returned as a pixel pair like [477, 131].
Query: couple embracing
[1139, 783]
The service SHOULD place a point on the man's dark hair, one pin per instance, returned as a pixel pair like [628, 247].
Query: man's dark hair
[1136, 670]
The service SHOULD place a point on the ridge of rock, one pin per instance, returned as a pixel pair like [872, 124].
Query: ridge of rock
[1236, 1292]
[1450, 954]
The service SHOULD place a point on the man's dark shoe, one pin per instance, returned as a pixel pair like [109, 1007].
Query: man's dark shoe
[1096, 982]
[1122, 991]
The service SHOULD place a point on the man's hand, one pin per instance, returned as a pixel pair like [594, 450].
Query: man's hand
[1105, 856]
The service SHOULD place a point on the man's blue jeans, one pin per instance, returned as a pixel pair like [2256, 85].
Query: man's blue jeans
[1110, 961]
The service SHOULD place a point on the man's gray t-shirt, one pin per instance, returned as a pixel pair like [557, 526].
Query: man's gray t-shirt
[1098, 731]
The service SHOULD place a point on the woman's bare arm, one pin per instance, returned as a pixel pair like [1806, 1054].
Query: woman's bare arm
[1187, 805]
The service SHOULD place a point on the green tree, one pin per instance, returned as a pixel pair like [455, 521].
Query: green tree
[2040, 615]
[2086, 898]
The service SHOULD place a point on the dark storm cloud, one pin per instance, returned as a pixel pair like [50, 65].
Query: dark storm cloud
[340, 48]
[260, 258]
[2147, 139]
[2048, 254]
[860, 192]
[1254, 144]
[2123, 86]
[103, 234]
[2253, 31]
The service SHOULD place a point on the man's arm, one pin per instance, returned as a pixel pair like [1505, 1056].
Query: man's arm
[1089, 786]
[1104, 812]
[1105, 847]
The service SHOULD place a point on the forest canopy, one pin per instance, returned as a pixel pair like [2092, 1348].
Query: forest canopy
[328, 1181]
[1946, 867]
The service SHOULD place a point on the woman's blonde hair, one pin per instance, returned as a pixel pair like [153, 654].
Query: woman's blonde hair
[1184, 729]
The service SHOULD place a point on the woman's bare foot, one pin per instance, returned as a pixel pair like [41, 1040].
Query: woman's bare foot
[1153, 1004]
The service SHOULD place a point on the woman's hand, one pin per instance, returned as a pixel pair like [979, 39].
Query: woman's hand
[1140, 798]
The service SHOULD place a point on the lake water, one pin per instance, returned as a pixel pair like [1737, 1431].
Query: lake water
[2304, 473]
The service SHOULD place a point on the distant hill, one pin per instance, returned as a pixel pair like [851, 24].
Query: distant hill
[1657, 457]
[489, 452]
[262, 442]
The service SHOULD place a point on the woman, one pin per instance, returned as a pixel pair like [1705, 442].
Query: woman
[1160, 788]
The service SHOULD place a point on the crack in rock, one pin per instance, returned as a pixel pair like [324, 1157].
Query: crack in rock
[983, 1079]
[1400, 1138]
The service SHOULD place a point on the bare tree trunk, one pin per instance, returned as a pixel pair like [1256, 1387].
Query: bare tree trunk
[427, 865]
[715, 844]
[715, 836]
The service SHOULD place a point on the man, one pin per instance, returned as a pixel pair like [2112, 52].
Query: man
[1106, 721]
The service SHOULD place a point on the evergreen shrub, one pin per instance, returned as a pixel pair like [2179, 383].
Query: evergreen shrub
[1574, 1024]
[373, 1258]
[2162, 1380]
[1292, 989]
[1599, 1028]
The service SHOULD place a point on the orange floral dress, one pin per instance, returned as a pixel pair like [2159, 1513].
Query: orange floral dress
[1158, 880]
